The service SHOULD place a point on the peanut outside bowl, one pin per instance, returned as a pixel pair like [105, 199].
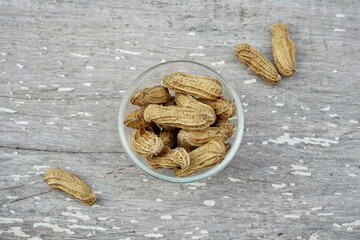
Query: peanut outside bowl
[153, 76]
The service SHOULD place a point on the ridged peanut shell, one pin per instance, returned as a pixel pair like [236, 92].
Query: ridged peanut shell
[226, 126]
[146, 143]
[178, 117]
[205, 87]
[186, 100]
[258, 63]
[224, 108]
[157, 94]
[197, 138]
[136, 119]
[170, 158]
[283, 49]
[71, 184]
[204, 156]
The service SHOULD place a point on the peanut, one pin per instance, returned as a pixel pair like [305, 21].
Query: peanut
[178, 117]
[157, 94]
[226, 126]
[283, 49]
[258, 63]
[71, 184]
[185, 100]
[170, 158]
[204, 156]
[136, 119]
[146, 143]
[205, 87]
[224, 108]
[197, 138]
[169, 138]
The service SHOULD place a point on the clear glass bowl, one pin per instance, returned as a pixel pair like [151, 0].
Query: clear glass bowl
[153, 76]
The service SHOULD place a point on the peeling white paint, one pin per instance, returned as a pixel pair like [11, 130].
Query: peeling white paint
[89, 67]
[19, 65]
[285, 127]
[307, 174]
[274, 167]
[191, 33]
[128, 52]
[351, 224]
[312, 140]
[10, 220]
[166, 217]
[65, 89]
[316, 208]
[339, 15]
[333, 115]
[314, 236]
[250, 81]
[96, 228]
[37, 168]
[209, 203]
[79, 55]
[77, 215]
[196, 54]
[7, 110]
[294, 216]
[353, 121]
[298, 167]
[87, 84]
[22, 122]
[159, 200]
[279, 104]
[54, 227]
[277, 186]
[17, 177]
[34, 238]
[234, 179]
[339, 30]
[326, 214]
[221, 62]
[154, 235]
[17, 231]
[325, 109]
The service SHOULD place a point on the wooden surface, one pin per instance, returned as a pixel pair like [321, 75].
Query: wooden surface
[64, 67]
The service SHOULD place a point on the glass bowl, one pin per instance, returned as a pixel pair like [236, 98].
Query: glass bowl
[153, 76]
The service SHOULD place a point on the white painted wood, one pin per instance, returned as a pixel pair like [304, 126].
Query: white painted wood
[64, 67]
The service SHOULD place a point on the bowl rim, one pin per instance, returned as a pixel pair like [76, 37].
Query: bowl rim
[192, 178]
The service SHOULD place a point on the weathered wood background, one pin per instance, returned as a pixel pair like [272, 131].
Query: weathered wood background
[64, 67]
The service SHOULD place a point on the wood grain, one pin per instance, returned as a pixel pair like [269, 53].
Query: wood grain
[64, 67]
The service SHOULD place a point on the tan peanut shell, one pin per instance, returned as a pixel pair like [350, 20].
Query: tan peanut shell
[136, 119]
[157, 95]
[205, 87]
[283, 49]
[71, 184]
[169, 138]
[207, 155]
[170, 158]
[226, 126]
[258, 63]
[224, 108]
[185, 100]
[146, 143]
[178, 117]
[197, 138]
